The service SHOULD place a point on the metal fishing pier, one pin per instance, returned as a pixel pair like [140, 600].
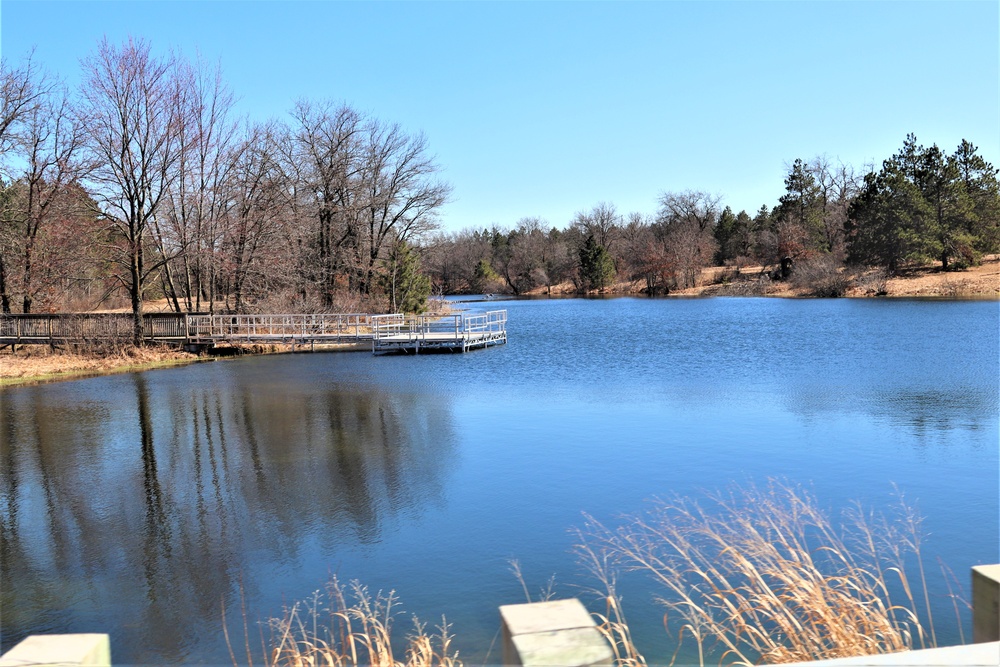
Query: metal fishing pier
[387, 333]
[451, 333]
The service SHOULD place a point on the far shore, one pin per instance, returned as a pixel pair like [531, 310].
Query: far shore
[37, 363]
[977, 282]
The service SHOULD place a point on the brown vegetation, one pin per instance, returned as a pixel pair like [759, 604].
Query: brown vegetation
[39, 363]
[348, 627]
[982, 281]
[762, 575]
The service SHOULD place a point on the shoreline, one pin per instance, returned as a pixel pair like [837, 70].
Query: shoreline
[37, 364]
[980, 282]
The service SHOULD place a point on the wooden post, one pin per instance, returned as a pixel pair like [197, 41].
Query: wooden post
[558, 632]
[986, 603]
[92, 650]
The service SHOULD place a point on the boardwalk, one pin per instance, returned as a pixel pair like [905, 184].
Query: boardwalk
[386, 333]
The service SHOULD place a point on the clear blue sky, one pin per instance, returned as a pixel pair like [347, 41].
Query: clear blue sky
[545, 109]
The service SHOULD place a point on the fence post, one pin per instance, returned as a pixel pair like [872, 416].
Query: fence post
[985, 603]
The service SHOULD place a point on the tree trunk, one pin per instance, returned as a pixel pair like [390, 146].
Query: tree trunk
[4, 296]
[27, 276]
[135, 292]
[169, 288]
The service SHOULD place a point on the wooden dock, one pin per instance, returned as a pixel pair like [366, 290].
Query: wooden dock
[386, 333]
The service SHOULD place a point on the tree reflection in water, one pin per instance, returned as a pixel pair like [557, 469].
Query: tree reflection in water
[137, 506]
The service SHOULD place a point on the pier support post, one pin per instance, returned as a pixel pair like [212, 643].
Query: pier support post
[90, 650]
[558, 632]
[986, 603]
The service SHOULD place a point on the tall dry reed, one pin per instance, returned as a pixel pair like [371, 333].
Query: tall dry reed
[762, 575]
[348, 627]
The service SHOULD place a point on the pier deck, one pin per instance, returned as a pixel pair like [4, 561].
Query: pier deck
[386, 333]
[453, 333]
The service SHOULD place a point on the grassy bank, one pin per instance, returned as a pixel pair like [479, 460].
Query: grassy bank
[32, 364]
[977, 282]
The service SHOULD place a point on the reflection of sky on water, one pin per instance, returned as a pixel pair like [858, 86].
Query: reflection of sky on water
[140, 502]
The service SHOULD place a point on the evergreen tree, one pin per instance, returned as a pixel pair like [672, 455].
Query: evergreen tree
[597, 269]
[742, 238]
[924, 204]
[979, 180]
[403, 282]
[802, 206]
[888, 222]
[725, 233]
[483, 276]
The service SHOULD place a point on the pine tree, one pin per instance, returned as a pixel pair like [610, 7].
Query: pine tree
[403, 282]
[597, 269]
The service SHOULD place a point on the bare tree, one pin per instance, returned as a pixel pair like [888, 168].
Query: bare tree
[259, 201]
[325, 152]
[52, 139]
[21, 90]
[838, 185]
[603, 222]
[399, 197]
[197, 199]
[130, 110]
[686, 221]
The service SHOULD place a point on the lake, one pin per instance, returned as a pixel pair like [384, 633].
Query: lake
[140, 504]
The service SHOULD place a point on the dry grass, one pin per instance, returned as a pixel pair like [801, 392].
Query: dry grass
[348, 627]
[612, 623]
[39, 363]
[763, 576]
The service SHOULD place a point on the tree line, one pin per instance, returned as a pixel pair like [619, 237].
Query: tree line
[144, 184]
[923, 205]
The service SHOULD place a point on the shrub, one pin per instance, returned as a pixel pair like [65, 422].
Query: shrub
[748, 286]
[821, 276]
[873, 282]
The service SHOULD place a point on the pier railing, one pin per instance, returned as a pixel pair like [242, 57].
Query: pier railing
[413, 332]
[394, 331]
[84, 327]
[263, 328]
[492, 321]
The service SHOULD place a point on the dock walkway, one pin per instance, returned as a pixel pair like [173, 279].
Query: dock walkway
[387, 333]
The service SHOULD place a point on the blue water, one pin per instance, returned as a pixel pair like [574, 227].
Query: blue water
[140, 504]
